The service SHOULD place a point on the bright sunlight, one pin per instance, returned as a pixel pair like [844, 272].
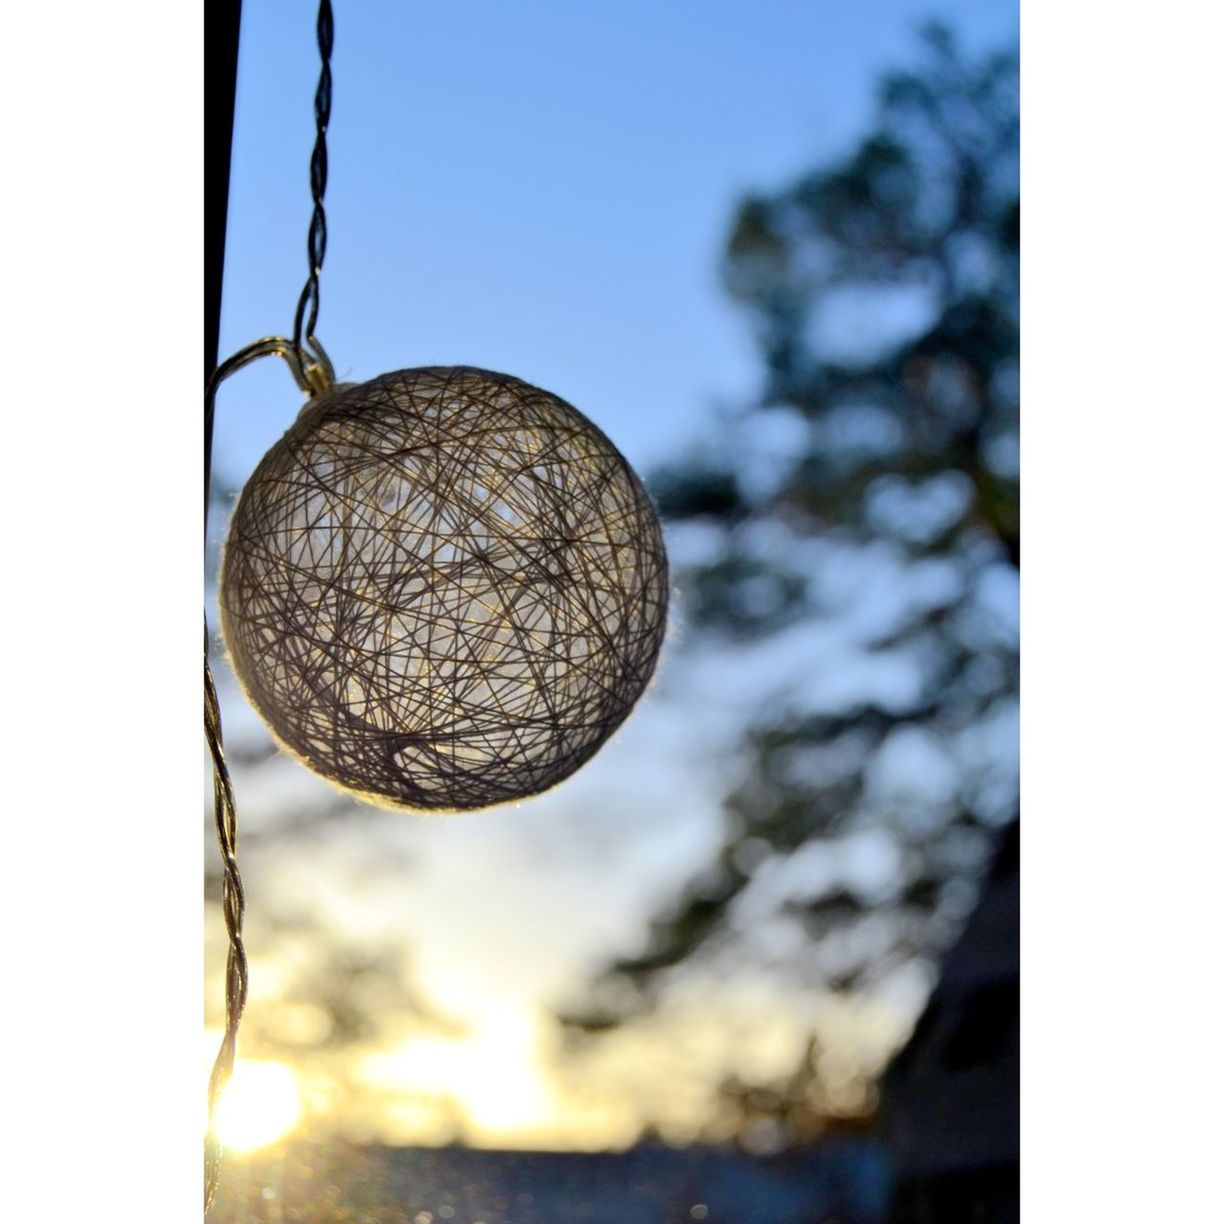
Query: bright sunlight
[260, 1105]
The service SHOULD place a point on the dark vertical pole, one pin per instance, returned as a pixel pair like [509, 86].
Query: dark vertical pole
[222, 19]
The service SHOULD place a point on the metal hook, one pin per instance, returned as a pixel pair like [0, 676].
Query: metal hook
[320, 374]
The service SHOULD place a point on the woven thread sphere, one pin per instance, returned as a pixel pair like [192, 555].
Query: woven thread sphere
[443, 589]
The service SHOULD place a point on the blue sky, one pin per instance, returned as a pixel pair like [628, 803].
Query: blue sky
[539, 188]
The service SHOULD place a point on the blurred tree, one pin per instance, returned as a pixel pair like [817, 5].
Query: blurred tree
[884, 292]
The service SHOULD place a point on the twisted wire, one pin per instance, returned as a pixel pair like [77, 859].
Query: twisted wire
[225, 816]
[316, 238]
[233, 900]
[314, 374]
[233, 907]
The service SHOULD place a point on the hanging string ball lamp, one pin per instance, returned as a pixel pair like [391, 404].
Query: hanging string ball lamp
[443, 588]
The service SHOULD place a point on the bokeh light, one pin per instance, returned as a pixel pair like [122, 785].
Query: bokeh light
[259, 1106]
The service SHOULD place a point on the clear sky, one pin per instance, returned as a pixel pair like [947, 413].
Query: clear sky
[542, 189]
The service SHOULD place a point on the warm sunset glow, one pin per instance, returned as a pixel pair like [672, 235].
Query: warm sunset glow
[493, 1076]
[259, 1106]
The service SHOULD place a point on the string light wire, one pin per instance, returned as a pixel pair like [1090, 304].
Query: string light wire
[313, 372]
[307, 315]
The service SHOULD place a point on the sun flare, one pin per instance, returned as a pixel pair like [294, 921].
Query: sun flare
[259, 1105]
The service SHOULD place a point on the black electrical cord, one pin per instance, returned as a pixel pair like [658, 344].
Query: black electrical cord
[316, 238]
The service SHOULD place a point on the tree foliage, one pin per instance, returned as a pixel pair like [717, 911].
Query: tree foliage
[883, 290]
